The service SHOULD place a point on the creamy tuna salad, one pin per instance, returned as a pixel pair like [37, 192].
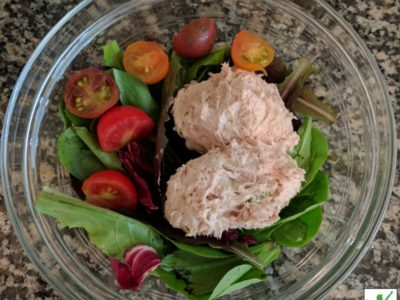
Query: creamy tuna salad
[243, 185]
[188, 164]
[232, 104]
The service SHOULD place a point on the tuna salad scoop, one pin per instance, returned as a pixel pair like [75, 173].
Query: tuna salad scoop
[241, 186]
[232, 104]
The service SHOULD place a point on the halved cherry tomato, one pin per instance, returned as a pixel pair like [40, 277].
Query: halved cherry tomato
[121, 125]
[251, 52]
[146, 60]
[110, 189]
[196, 38]
[90, 92]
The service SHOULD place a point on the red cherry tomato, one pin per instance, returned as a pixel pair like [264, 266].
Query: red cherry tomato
[196, 38]
[121, 125]
[110, 189]
[90, 92]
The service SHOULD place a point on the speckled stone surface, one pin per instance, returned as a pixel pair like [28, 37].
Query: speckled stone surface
[24, 23]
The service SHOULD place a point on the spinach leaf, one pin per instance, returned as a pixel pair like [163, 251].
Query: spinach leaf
[69, 118]
[311, 197]
[300, 231]
[232, 281]
[301, 152]
[177, 284]
[202, 274]
[318, 154]
[135, 92]
[110, 160]
[76, 157]
[63, 116]
[314, 195]
[113, 233]
[199, 250]
[112, 55]
[230, 278]
[199, 70]
[312, 150]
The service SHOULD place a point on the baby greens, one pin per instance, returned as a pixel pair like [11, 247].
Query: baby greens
[212, 278]
[76, 157]
[113, 233]
[110, 160]
[199, 70]
[302, 99]
[312, 150]
[135, 92]
[112, 55]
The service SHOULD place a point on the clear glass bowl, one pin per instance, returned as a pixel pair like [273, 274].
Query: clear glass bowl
[362, 140]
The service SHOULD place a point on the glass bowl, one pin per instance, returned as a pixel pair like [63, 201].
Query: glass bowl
[362, 140]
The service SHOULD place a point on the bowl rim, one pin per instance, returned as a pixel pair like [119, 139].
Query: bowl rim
[333, 279]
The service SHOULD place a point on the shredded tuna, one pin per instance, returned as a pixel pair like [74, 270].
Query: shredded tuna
[241, 186]
[232, 104]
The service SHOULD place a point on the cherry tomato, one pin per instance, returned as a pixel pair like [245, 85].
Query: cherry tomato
[110, 189]
[196, 38]
[90, 92]
[146, 60]
[121, 125]
[251, 52]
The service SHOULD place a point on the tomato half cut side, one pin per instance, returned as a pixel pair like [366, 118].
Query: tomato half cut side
[110, 189]
[90, 92]
[121, 125]
[146, 60]
[251, 52]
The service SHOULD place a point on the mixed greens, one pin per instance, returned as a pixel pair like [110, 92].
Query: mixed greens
[134, 232]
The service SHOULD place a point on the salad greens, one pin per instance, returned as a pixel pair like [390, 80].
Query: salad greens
[198, 271]
[135, 92]
[113, 233]
[112, 55]
[312, 150]
[175, 78]
[69, 118]
[110, 160]
[76, 157]
[199, 70]
[233, 281]
[302, 99]
[195, 270]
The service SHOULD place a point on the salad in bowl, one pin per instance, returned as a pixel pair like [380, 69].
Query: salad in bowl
[195, 164]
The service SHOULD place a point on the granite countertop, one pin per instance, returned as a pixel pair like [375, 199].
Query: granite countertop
[24, 23]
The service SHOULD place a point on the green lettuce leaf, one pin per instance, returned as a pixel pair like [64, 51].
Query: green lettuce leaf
[135, 92]
[201, 67]
[300, 231]
[76, 157]
[309, 199]
[232, 281]
[110, 160]
[202, 274]
[111, 232]
[312, 150]
[69, 118]
[112, 55]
